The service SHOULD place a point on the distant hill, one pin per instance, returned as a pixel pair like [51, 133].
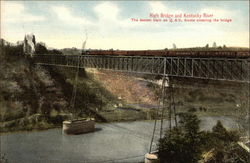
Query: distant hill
[213, 49]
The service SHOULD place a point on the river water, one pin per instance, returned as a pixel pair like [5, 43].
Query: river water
[112, 142]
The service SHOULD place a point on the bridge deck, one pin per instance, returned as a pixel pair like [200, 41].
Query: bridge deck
[206, 68]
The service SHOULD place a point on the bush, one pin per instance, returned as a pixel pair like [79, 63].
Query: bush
[220, 134]
[9, 50]
[54, 51]
[58, 119]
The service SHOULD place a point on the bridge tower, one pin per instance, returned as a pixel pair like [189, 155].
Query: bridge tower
[29, 45]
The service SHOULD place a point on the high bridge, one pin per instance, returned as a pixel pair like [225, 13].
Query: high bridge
[229, 69]
[212, 68]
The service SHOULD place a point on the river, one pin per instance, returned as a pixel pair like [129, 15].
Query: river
[112, 142]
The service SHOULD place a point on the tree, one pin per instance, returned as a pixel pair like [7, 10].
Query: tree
[185, 143]
[223, 142]
[182, 144]
[41, 48]
[219, 129]
[207, 46]
[219, 132]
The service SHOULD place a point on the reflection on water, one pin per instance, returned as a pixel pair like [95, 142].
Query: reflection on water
[112, 142]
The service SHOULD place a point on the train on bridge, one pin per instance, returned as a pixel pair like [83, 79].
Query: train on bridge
[173, 53]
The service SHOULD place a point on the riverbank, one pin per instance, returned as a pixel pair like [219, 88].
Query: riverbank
[43, 125]
[41, 122]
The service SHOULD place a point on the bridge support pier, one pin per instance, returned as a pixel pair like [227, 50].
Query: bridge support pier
[165, 83]
[168, 94]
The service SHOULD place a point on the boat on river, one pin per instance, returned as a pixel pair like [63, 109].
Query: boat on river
[79, 126]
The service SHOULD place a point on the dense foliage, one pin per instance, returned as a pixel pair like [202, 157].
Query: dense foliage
[16, 50]
[182, 144]
[186, 143]
[10, 49]
[42, 49]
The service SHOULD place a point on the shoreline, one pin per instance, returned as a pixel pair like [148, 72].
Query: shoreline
[54, 126]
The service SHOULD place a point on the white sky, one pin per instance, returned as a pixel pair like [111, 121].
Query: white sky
[62, 24]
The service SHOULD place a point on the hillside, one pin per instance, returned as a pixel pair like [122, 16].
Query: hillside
[29, 97]
[36, 97]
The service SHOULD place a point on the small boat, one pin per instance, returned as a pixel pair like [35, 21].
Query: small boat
[79, 126]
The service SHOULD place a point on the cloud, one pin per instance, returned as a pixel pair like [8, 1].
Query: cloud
[15, 12]
[107, 11]
[109, 25]
[160, 7]
[65, 14]
[157, 6]
[218, 12]
[108, 14]
[108, 18]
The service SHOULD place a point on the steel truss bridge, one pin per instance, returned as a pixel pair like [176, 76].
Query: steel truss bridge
[230, 69]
